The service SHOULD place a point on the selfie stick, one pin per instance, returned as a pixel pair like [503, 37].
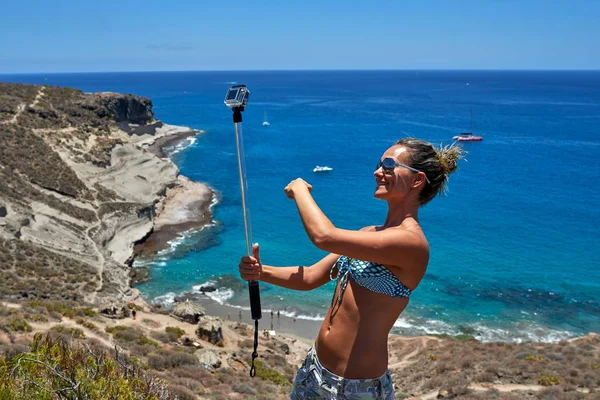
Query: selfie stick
[236, 99]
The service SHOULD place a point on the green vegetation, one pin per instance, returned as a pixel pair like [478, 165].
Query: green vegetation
[87, 324]
[67, 310]
[115, 329]
[16, 325]
[143, 340]
[54, 369]
[75, 333]
[35, 317]
[532, 357]
[548, 380]
[175, 331]
[269, 374]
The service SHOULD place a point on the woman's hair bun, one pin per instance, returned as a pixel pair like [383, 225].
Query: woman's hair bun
[449, 156]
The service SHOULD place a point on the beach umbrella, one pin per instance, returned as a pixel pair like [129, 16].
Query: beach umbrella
[190, 312]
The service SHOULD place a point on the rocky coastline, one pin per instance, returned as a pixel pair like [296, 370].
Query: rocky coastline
[85, 179]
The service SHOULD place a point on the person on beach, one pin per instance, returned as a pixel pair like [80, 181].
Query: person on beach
[376, 268]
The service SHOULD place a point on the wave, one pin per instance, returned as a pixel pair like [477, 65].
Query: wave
[165, 300]
[517, 333]
[220, 295]
[182, 145]
[185, 241]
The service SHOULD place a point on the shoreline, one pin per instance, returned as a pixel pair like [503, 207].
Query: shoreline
[185, 207]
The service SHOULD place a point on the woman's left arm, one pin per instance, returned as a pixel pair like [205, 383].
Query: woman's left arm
[388, 246]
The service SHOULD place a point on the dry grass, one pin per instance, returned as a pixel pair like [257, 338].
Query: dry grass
[453, 365]
[28, 271]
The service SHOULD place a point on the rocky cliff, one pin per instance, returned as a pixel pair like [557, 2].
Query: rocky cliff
[78, 188]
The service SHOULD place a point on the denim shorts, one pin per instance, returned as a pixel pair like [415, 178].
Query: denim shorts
[313, 381]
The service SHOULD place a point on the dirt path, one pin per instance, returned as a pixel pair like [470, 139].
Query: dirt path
[421, 345]
[21, 107]
[101, 259]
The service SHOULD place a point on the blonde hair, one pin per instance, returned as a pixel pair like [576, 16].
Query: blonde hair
[436, 163]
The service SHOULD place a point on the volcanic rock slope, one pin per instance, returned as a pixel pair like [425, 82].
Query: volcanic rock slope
[76, 191]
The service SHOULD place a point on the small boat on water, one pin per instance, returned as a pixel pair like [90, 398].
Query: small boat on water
[468, 136]
[265, 121]
[318, 168]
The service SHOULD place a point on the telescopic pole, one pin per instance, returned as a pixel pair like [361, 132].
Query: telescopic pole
[253, 287]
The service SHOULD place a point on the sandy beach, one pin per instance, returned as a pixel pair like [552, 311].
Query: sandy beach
[185, 207]
[302, 329]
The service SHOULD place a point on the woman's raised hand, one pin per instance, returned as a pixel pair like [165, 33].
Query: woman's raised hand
[297, 184]
[250, 266]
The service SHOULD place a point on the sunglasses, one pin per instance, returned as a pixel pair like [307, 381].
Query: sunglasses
[388, 165]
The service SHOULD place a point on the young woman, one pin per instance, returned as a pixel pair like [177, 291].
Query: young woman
[376, 269]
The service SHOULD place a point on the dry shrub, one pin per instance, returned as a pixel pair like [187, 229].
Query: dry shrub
[486, 377]
[242, 329]
[191, 372]
[10, 351]
[191, 384]
[141, 349]
[127, 335]
[182, 392]
[243, 388]
[221, 388]
[225, 378]
[161, 336]
[151, 323]
[210, 382]
[166, 359]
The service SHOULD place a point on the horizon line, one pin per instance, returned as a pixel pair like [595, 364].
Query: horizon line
[312, 70]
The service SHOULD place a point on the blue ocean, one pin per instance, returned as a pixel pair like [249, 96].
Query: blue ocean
[514, 242]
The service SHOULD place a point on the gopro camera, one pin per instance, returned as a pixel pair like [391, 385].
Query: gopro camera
[237, 96]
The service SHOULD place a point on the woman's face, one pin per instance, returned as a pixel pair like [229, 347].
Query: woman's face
[394, 184]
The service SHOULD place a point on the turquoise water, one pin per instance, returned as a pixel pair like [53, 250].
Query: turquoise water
[513, 244]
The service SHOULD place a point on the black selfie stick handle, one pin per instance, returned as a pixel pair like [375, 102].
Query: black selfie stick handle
[256, 312]
[254, 291]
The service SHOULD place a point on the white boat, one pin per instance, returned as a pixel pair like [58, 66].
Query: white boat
[468, 136]
[318, 168]
[265, 122]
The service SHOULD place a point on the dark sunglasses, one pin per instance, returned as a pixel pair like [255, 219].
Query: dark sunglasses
[388, 164]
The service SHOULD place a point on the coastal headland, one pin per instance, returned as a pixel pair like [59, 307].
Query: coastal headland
[86, 185]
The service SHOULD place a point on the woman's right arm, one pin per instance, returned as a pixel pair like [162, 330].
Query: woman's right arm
[295, 278]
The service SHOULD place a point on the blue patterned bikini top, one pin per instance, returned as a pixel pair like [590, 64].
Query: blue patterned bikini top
[369, 275]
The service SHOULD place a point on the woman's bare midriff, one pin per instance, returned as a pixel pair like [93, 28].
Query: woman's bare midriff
[352, 341]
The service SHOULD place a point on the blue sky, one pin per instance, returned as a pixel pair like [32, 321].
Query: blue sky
[153, 35]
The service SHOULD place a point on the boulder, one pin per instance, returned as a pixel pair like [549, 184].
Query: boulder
[208, 357]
